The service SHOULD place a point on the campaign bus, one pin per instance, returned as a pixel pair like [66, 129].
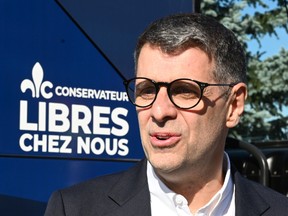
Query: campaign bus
[65, 115]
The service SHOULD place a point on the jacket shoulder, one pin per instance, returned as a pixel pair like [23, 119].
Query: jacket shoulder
[253, 198]
[98, 195]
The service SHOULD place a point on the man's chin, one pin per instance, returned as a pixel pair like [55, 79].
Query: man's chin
[164, 165]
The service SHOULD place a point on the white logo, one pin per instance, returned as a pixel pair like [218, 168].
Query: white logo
[36, 86]
[71, 128]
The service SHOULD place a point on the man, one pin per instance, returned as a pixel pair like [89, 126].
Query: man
[188, 91]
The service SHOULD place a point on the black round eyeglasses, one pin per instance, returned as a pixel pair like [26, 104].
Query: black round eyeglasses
[184, 93]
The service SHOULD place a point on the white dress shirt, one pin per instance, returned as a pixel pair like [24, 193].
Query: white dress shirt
[166, 202]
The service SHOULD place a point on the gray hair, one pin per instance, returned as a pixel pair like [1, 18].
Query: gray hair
[176, 33]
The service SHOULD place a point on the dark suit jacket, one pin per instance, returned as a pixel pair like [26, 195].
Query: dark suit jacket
[127, 194]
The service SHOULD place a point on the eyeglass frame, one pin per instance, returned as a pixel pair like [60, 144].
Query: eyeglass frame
[158, 85]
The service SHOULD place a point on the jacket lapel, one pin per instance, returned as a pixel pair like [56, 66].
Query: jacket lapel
[131, 193]
[247, 199]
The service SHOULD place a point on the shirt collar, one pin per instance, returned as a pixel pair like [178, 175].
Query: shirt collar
[218, 205]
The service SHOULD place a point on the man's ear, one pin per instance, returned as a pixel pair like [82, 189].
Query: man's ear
[237, 99]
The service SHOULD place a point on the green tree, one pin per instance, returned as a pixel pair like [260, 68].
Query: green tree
[267, 77]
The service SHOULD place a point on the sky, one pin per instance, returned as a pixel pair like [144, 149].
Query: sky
[270, 44]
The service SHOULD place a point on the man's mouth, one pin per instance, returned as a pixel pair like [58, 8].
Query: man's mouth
[164, 140]
[163, 137]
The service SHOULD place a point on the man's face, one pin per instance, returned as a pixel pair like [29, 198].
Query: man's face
[176, 139]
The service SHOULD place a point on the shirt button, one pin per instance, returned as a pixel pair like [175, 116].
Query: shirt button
[180, 200]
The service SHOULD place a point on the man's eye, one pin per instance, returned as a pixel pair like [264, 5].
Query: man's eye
[185, 91]
[146, 91]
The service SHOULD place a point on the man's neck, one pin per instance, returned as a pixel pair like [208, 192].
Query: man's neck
[198, 187]
[198, 192]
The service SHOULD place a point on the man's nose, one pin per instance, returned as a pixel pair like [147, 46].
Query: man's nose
[163, 109]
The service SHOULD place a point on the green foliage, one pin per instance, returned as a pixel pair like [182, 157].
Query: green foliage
[267, 78]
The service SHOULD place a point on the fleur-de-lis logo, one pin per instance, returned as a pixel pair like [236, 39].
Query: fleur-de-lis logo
[36, 85]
